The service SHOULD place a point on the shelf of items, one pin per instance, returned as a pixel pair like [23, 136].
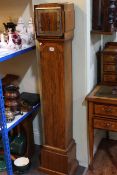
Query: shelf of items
[6, 54]
[5, 127]
[19, 118]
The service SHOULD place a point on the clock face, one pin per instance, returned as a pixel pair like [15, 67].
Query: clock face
[48, 22]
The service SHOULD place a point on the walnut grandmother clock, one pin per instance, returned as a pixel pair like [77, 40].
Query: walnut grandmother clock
[54, 25]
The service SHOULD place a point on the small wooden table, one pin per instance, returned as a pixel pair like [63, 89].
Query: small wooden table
[102, 112]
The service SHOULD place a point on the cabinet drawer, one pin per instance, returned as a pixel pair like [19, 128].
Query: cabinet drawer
[101, 109]
[109, 68]
[105, 124]
[110, 78]
[109, 58]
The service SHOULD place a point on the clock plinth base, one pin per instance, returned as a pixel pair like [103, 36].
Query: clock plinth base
[55, 161]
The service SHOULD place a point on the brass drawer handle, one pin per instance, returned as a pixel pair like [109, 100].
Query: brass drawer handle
[112, 57]
[107, 109]
[107, 124]
[108, 57]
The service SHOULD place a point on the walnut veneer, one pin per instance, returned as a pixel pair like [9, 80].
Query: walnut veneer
[58, 153]
[102, 112]
[54, 20]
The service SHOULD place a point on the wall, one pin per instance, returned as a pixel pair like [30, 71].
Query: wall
[25, 65]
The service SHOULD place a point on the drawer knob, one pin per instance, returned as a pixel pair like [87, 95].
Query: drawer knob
[112, 57]
[51, 49]
[108, 124]
[107, 109]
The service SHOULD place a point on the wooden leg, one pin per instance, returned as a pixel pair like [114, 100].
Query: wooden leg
[27, 126]
[91, 141]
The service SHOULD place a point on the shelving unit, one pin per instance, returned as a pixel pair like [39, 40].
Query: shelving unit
[4, 126]
[7, 54]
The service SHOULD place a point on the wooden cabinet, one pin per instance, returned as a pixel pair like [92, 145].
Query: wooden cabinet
[102, 112]
[104, 16]
[58, 154]
[108, 64]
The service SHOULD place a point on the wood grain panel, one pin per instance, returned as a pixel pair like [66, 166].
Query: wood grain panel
[101, 109]
[110, 78]
[52, 65]
[109, 58]
[105, 124]
[110, 68]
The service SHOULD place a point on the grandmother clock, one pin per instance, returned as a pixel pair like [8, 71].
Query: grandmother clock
[54, 25]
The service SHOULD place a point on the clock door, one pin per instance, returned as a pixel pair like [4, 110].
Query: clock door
[53, 104]
[48, 21]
